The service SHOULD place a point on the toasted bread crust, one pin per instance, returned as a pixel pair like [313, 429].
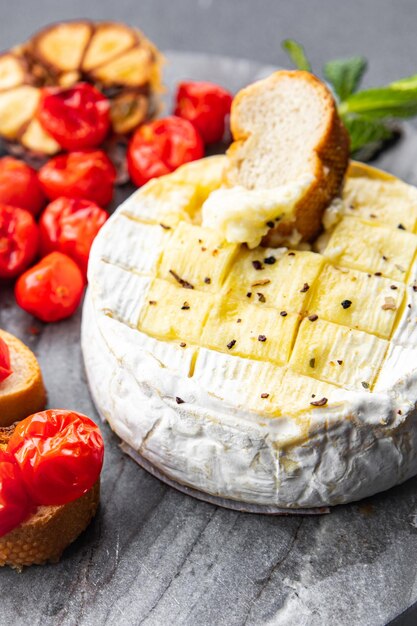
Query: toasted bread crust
[22, 393]
[329, 156]
[45, 535]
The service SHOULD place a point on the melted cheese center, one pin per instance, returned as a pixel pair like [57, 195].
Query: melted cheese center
[241, 215]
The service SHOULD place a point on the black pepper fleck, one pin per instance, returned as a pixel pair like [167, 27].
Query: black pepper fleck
[321, 402]
[401, 226]
[207, 280]
[257, 265]
[261, 297]
[153, 302]
[291, 253]
[264, 395]
[165, 227]
[378, 274]
[414, 287]
[312, 362]
[231, 344]
[340, 362]
[270, 260]
[238, 320]
[283, 313]
[270, 224]
[181, 281]
[393, 287]
[179, 400]
[346, 304]
[313, 317]
[183, 344]
[249, 294]
[305, 288]
[365, 385]
[261, 338]
[185, 306]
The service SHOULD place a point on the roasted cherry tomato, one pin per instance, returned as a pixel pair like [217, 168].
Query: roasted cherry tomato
[86, 174]
[205, 105]
[15, 502]
[77, 117]
[70, 226]
[19, 240]
[60, 454]
[52, 289]
[160, 147]
[5, 366]
[19, 185]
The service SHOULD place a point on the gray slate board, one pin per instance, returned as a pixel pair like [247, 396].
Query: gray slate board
[156, 556]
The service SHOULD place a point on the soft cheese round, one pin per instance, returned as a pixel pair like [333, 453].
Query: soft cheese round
[279, 418]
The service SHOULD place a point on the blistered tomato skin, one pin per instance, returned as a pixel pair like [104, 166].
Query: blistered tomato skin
[77, 117]
[206, 105]
[15, 503]
[60, 454]
[84, 175]
[52, 289]
[70, 226]
[19, 186]
[160, 147]
[5, 365]
[19, 240]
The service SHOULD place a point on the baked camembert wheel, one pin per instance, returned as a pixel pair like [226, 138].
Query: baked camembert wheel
[280, 376]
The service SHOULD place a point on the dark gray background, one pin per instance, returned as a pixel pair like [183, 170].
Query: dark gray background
[153, 555]
[382, 30]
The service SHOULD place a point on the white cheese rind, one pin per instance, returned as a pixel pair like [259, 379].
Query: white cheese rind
[215, 441]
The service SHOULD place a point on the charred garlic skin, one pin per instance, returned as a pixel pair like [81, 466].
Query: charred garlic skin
[117, 59]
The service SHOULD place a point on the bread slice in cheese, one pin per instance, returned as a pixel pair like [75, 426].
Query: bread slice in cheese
[284, 128]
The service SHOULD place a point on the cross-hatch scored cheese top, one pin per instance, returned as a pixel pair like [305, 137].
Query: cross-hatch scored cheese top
[306, 324]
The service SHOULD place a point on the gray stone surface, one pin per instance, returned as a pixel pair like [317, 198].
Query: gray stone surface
[154, 555]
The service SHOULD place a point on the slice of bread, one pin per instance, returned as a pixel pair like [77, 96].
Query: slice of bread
[45, 535]
[23, 392]
[284, 127]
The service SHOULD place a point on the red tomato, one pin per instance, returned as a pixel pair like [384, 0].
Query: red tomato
[52, 289]
[5, 367]
[160, 147]
[205, 105]
[85, 175]
[19, 240]
[70, 226]
[15, 502]
[19, 185]
[60, 454]
[77, 117]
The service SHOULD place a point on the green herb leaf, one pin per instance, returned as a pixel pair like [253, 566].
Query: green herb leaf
[383, 102]
[364, 131]
[345, 75]
[410, 82]
[297, 54]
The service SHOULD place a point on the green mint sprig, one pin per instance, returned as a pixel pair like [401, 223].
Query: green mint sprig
[368, 114]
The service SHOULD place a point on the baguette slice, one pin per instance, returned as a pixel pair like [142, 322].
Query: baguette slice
[44, 535]
[23, 392]
[284, 127]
